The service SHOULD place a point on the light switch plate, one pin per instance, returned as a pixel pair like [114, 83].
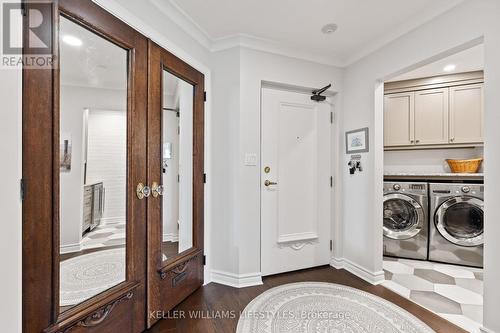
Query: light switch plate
[250, 159]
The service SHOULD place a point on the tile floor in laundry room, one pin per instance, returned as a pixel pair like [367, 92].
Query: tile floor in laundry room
[453, 292]
[105, 236]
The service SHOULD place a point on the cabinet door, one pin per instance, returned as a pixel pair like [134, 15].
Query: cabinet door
[466, 114]
[398, 119]
[431, 116]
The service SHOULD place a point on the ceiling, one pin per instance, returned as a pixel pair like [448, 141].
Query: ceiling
[363, 26]
[466, 61]
[95, 63]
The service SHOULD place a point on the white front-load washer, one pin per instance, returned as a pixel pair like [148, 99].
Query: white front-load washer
[406, 227]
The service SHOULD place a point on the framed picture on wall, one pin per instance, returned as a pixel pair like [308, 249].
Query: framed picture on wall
[65, 152]
[357, 141]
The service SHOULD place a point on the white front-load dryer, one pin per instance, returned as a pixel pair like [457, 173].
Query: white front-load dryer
[406, 227]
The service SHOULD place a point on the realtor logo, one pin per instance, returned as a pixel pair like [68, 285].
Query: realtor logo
[35, 48]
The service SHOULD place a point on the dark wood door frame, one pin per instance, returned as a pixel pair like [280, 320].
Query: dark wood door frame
[122, 308]
[172, 281]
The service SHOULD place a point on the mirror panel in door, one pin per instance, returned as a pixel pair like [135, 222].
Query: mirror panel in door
[93, 164]
[177, 166]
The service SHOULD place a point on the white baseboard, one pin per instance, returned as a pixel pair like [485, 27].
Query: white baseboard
[360, 271]
[235, 280]
[170, 237]
[486, 330]
[70, 248]
[337, 263]
[113, 220]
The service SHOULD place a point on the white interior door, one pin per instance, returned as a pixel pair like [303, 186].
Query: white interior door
[295, 217]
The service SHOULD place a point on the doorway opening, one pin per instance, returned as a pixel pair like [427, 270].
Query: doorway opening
[433, 184]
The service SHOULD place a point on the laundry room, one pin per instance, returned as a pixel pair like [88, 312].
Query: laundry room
[433, 214]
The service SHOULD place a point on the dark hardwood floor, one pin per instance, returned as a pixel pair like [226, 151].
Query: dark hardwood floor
[215, 297]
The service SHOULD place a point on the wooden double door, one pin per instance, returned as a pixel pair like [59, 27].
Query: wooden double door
[115, 112]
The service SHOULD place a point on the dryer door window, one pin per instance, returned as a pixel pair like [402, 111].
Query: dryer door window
[461, 221]
[403, 216]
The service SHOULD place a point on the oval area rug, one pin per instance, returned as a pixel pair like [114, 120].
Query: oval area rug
[325, 307]
[90, 274]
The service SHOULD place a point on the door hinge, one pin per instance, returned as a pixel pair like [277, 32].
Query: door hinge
[204, 96]
[331, 181]
[22, 189]
[204, 260]
[24, 11]
[331, 245]
[331, 117]
[204, 178]
[178, 178]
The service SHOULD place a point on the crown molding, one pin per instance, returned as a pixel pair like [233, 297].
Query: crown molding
[270, 46]
[173, 11]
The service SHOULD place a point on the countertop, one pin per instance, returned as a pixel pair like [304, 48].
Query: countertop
[434, 175]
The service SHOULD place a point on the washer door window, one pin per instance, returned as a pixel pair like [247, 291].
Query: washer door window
[460, 220]
[403, 216]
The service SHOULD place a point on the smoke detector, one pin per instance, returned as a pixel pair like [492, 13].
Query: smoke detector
[329, 28]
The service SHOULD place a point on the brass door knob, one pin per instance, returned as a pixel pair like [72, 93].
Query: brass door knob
[269, 183]
[142, 191]
[156, 190]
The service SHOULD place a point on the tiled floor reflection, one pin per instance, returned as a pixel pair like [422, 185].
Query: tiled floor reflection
[453, 292]
[104, 236]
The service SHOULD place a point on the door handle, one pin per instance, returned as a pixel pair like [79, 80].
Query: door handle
[142, 191]
[156, 190]
[269, 183]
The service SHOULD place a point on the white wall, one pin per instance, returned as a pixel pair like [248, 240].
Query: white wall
[427, 160]
[226, 114]
[185, 92]
[170, 199]
[237, 200]
[10, 202]
[362, 214]
[107, 159]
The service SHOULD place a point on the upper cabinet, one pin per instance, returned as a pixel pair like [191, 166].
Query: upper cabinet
[398, 115]
[466, 114]
[431, 117]
[436, 112]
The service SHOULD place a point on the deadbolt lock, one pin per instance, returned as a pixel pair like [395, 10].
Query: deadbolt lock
[267, 169]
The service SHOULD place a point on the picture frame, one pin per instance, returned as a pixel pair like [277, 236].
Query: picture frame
[357, 141]
[65, 148]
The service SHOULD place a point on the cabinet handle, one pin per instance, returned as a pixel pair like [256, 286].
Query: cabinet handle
[452, 139]
[412, 141]
[417, 141]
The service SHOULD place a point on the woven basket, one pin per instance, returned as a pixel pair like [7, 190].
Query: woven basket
[465, 166]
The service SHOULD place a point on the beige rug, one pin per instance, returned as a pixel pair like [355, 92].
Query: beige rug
[85, 276]
[325, 307]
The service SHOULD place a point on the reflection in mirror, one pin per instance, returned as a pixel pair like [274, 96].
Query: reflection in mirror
[177, 166]
[93, 145]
